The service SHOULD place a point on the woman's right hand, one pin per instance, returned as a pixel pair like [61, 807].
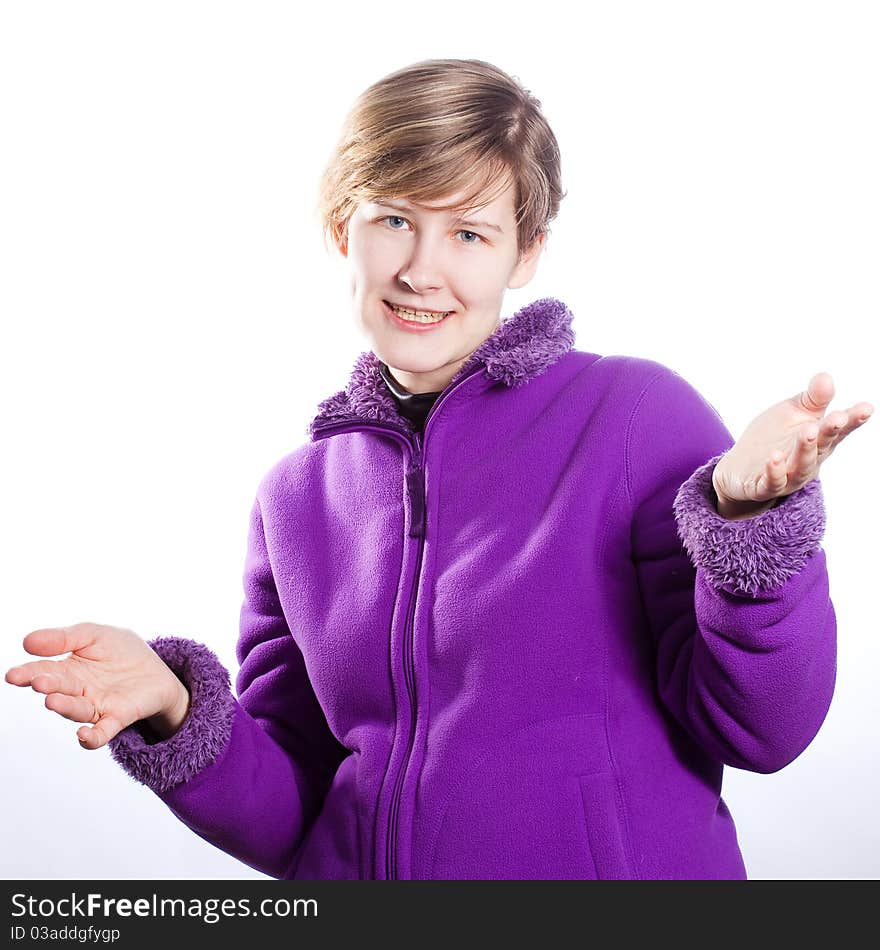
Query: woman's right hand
[111, 679]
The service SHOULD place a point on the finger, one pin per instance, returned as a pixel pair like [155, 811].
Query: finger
[99, 734]
[51, 641]
[807, 455]
[834, 422]
[57, 680]
[77, 708]
[777, 474]
[861, 413]
[840, 424]
[25, 674]
[46, 683]
[833, 429]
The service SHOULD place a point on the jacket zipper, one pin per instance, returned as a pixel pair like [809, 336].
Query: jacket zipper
[415, 487]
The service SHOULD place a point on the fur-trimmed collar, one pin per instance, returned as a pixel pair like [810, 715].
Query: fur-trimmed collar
[519, 349]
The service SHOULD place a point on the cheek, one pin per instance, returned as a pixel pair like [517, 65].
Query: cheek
[486, 274]
[372, 243]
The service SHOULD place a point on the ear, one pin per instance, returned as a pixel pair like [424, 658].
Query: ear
[340, 238]
[528, 264]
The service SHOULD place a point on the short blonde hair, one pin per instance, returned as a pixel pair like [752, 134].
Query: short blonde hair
[438, 126]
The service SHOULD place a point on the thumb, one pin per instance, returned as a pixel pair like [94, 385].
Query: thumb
[50, 641]
[818, 394]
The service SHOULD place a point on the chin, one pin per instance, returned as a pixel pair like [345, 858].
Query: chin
[406, 364]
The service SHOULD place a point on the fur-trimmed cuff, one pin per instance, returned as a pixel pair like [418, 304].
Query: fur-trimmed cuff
[752, 555]
[204, 733]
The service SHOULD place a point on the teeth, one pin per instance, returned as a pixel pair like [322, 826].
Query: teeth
[419, 316]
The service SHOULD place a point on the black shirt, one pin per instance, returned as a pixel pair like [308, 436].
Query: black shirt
[412, 406]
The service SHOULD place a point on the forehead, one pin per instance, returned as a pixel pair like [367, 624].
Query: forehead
[501, 203]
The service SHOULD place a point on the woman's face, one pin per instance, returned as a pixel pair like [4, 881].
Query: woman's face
[423, 258]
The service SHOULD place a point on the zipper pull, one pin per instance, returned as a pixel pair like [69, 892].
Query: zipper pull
[415, 486]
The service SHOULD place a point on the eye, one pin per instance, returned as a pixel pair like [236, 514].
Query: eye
[397, 217]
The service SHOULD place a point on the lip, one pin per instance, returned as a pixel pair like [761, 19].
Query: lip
[413, 327]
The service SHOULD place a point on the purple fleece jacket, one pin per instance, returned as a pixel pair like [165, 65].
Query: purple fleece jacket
[521, 645]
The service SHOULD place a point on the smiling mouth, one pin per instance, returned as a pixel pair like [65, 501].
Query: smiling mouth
[418, 316]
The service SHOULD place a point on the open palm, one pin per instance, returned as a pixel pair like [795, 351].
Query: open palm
[784, 447]
[111, 679]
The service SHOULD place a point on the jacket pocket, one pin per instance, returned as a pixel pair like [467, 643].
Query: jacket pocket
[604, 828]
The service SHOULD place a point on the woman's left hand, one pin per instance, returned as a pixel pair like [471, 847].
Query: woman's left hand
[782, 449]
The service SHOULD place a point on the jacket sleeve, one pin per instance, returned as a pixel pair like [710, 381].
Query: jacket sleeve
[739, 611]
[249, 775]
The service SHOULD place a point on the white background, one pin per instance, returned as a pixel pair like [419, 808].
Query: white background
[170, 320]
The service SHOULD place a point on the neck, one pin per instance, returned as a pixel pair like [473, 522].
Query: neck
[434, 381]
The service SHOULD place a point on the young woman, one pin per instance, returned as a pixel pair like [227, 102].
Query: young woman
[512, 606]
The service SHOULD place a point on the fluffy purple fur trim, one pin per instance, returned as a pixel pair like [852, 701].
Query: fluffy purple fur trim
[520, 348]
[753, 555]
[160, 765]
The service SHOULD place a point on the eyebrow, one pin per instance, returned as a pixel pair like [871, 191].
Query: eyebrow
[476, 222]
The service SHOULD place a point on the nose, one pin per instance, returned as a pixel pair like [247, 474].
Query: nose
[421, 271]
